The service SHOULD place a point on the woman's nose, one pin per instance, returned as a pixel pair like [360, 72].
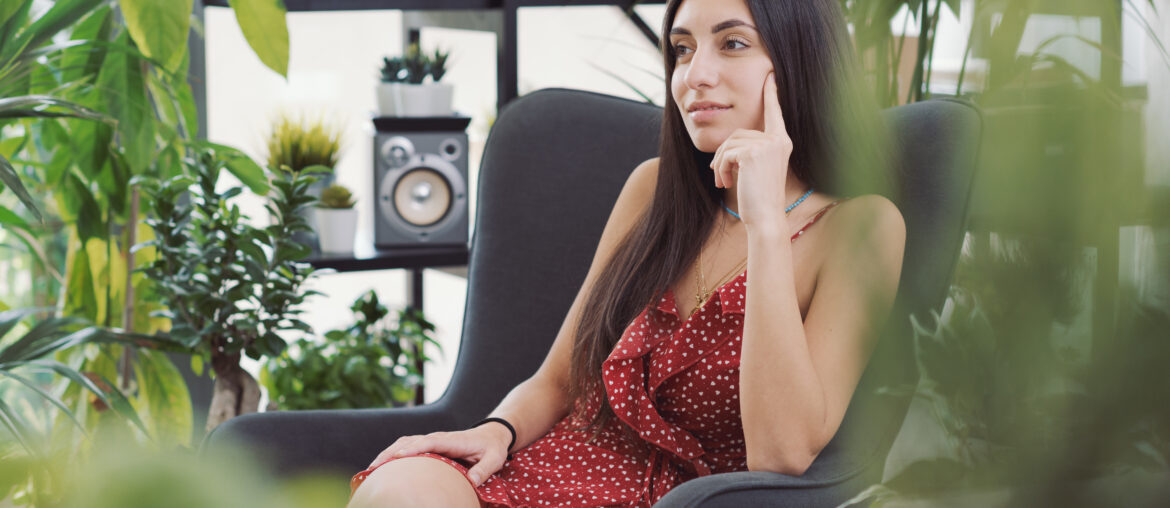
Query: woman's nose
[702, 70]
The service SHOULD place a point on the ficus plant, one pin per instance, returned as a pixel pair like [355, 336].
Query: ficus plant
[229, 287]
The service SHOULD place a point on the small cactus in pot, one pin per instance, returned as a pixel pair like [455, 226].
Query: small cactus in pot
[336, 219]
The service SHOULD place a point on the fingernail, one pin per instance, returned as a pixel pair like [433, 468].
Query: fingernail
[474, 478]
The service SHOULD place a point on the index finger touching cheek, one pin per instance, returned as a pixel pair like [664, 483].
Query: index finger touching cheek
[773, 114]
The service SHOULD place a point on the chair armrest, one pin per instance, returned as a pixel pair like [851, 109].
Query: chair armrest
[332, 442]
[753, 488]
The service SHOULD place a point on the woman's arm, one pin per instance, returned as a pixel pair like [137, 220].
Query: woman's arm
[535, 405]
[796, 378]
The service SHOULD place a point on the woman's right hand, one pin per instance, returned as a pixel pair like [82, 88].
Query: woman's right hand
[486, 446]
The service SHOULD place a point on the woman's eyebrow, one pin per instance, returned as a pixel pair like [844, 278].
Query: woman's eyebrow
[731, 23]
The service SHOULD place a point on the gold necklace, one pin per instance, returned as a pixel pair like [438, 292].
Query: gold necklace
[702, 294]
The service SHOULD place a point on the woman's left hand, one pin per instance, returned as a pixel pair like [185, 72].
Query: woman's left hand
[756, 163]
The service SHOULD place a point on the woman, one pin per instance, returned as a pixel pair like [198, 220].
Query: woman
[744, 369]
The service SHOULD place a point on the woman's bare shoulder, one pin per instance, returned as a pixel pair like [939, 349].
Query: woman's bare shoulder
[638, 190]
[645, 175]
[871, 219]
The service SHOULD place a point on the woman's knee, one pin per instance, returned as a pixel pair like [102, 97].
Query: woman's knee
[415, 482]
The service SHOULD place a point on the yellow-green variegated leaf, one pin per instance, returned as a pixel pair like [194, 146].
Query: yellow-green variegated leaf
[159, 28]
[264, 26]
[163, 396]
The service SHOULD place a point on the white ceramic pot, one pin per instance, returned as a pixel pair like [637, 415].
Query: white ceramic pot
[441, 95]
[427, 99]
[389, 96]
[337, 228]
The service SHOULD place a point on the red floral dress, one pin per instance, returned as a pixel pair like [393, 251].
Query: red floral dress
[675, 382]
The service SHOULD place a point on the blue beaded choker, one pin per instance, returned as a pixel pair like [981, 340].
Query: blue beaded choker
[786, 210]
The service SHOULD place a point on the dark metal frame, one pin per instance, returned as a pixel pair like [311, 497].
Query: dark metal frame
[506, 59]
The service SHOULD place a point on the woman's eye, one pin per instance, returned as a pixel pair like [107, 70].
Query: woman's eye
[680, 50]
[731, 42]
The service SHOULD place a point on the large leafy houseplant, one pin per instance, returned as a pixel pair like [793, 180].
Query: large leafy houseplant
[372, 363]
[229, 287]
[94, 93]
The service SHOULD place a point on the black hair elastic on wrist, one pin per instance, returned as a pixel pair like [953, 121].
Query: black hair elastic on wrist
[504, 423]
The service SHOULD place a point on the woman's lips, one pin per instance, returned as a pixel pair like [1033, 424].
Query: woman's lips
[706, 115]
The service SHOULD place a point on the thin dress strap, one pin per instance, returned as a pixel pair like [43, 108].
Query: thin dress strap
[815, 218]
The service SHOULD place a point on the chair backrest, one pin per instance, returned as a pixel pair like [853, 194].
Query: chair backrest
[551, 171]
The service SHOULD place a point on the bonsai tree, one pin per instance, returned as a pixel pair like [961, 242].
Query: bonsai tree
[336, 197]
[228, 287]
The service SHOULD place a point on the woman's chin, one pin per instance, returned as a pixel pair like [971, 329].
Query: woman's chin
[708, 144]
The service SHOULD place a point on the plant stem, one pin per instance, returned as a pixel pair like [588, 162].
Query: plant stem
[893, 99]
[128, 303]
[919, 66]
[933, 35]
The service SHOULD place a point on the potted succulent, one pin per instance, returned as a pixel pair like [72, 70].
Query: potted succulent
[410, 85]
[336, 219]
[372, 363]
[388, 92]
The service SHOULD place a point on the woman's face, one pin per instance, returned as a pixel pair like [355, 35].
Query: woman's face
[720, 67]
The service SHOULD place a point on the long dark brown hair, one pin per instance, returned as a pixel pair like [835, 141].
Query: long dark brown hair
[827, 119]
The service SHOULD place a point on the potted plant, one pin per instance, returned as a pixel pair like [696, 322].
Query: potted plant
[336, 219]
[388, 91]
[299, 143]
[405, 89]
[372, 363]
[229, 288]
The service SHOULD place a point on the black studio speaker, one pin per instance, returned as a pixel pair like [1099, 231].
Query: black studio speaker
[420, 182]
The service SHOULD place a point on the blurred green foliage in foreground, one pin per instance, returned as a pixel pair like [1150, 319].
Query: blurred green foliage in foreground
[119, 473]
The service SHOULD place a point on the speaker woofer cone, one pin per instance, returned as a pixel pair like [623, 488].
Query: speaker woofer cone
[422, 197]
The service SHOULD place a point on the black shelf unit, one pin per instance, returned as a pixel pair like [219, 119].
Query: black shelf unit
[506, 58]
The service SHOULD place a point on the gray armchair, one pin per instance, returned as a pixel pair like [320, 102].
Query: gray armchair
[553, 167]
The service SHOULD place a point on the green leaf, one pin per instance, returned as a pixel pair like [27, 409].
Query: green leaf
[241, 166]
[9, 9]
[197, 364]
[41, 348]
[81, 58]
[44, 106]
[80, 300]
[62, 15]
[83, 208]
[123, 87]
[46, 395]
[112, 398]
[264, 26]
[19, 429]
[10, 219]
[164, 394]
[159, 28]
[11, 179]
[9, 318]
